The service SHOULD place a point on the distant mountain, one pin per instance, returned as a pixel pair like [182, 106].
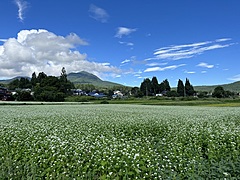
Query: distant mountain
[7, 81]
[84, 77]
[235, 87]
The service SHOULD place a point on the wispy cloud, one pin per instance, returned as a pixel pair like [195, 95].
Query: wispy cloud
[189, 72]
[123, 31]
[98, 13]
[235, 78]
[125, 61]
[126, 43]
[156, 64]
[176, 52]
[22, 6]
[205, 65]
[172, 67]
[223, 39]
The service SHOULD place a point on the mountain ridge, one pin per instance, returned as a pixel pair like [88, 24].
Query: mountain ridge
[81, 77]
[84, 77]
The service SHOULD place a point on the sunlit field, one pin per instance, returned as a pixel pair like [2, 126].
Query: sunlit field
[119, 142]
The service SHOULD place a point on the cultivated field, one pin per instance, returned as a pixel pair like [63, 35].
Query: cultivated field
[119, 142]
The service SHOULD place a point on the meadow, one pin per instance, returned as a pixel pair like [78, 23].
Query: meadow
[119, 141]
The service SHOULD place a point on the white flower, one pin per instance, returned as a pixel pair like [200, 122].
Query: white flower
[136, 155]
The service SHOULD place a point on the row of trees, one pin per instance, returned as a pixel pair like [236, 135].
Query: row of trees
[152, 87]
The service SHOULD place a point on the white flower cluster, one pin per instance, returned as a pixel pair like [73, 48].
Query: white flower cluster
[118, 141]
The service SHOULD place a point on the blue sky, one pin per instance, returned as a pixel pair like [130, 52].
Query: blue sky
[123, 41]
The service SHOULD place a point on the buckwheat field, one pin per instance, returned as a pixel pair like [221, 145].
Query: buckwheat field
[119, 142]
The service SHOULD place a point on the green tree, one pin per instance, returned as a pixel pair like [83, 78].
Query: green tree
[166, 85]
[161, 87]
[180, 88]
[189, 90]
[218, 92]
[145, 87]
[21, 83]
[24, 83]
[40, 77]
[13, 84]
[63, 76]
[66, 85]
[34, 79]
[154, 85]
[172, 93]
[135, 91]
[24, 96]
[51, 88]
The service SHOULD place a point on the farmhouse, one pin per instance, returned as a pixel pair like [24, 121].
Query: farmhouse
[117, 94]
[4, 94]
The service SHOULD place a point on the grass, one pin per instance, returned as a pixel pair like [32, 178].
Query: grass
[165, 101]
[178, 102]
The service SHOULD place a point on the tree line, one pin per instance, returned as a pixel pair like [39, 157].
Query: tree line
[151, 87]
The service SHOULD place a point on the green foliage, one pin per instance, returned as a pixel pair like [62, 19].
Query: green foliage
[24, 96]
[172, 93]
[114, 142]
[180, 88]
[189, 90]
[166, 85]
[155, 86]
[22, 83]
[149, 88]
[51, 88]
[135, 91]
[146, 87]
[219, 92]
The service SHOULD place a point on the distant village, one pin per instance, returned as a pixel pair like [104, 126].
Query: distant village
[8, 95]
[57, 89]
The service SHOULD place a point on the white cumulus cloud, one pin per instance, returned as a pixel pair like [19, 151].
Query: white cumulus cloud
[41, 50]
[123, 31]
[22, 6]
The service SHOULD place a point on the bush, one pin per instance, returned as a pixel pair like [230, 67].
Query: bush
[104, 102]
[24, 96]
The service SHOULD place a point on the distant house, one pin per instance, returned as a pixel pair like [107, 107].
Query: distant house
[4, 94]
[78, 92]
[97, 95]
[117, 94]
